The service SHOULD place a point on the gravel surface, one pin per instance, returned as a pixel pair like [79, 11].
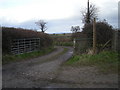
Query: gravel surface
[42, 73]
[37, 72]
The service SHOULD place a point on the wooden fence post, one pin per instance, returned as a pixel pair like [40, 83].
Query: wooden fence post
[94, 36]
[74, 41]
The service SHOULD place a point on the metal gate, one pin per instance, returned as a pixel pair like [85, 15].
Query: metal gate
[19, 46]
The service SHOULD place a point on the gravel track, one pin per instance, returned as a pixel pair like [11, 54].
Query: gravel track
[43, 72]
[37, 72]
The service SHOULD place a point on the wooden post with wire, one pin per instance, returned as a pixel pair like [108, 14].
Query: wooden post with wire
[94, 36]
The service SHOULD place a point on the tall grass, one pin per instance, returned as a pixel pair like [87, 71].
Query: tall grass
[106, 61]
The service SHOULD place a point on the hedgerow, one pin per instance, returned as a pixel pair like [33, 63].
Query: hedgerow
[10, 33]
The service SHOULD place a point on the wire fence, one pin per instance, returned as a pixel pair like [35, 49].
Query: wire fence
[82, 44]
[116, 41]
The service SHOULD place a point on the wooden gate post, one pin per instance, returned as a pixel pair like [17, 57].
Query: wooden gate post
[74, 42]
[94, 36]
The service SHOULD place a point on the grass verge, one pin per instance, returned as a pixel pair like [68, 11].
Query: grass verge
[106, 61]
[12, 58]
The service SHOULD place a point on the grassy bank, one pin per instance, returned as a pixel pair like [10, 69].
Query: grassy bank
[12, 58]
[105, 61]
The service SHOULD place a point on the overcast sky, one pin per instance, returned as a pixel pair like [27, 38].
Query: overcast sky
[60, 15]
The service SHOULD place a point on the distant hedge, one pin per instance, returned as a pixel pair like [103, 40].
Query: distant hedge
[9, 34]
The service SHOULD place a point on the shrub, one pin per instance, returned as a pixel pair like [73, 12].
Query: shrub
[104, 33]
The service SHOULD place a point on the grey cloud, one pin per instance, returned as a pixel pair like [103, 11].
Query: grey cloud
[54, 26]
[63, 25]
[112, 18]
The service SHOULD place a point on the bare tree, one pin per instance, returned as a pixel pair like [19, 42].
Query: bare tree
[89, 13]
[75, 29]
[42, 25]
[75, 32]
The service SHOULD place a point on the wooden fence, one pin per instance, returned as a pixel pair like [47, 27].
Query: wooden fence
[19, 46]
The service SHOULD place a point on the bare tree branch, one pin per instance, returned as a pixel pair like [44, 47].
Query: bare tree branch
[89, 15]
[42, 25]
[75, 29]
